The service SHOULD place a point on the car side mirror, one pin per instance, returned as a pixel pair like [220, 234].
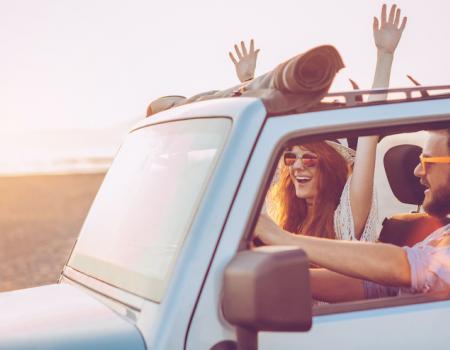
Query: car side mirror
[267, 289]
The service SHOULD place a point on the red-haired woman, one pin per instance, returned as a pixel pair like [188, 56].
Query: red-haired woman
[312, 195]
[323, 188]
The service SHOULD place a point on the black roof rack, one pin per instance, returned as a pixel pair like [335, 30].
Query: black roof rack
[353, 98]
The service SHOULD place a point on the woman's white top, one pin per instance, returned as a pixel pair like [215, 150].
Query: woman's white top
[344, 225]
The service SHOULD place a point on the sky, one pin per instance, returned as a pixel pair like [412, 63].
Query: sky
[96, 64]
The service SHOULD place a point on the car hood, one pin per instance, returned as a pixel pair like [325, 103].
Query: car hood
[61, 316]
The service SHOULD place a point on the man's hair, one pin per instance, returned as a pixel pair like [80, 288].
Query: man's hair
[445, 132]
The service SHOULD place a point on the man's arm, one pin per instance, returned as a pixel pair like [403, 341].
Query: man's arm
[378, 262]
[332, 287]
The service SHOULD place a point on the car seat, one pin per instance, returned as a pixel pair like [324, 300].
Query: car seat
[409, 228]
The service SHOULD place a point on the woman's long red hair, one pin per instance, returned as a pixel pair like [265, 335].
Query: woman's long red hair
[290, 212]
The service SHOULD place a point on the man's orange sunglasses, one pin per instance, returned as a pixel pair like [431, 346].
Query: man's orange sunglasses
[425, 160]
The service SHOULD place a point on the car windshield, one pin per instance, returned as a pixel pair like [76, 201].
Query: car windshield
[144, 208]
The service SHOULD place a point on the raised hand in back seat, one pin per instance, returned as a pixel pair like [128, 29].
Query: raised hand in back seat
[245, 63]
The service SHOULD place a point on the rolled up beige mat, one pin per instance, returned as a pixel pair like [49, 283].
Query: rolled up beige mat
[293, 86]
[309, 72]
[299, 83]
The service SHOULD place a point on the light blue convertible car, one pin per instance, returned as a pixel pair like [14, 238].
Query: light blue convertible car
[175, 214]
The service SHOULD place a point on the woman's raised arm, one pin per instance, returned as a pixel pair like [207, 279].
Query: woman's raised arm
[387, 32]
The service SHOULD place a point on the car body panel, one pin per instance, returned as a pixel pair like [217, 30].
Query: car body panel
[412, 327]
[60, 316]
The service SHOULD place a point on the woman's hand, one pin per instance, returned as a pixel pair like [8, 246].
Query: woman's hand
[245, 63]
[387, 32]
[269, 232]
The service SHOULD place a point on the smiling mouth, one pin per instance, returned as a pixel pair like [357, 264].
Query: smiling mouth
[427, 187]
[302, 179]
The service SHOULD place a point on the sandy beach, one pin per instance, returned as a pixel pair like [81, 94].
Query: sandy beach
[40, 218]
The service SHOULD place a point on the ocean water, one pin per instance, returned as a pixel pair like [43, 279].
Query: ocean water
[58, 151]
[55, 165]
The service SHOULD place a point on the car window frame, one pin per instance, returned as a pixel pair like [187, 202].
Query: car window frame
[361, 305]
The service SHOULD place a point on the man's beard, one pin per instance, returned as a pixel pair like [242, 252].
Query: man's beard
[440, 203]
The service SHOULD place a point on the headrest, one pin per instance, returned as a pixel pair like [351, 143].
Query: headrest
[399, 164]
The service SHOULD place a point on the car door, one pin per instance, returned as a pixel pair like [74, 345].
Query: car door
[391, 323]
